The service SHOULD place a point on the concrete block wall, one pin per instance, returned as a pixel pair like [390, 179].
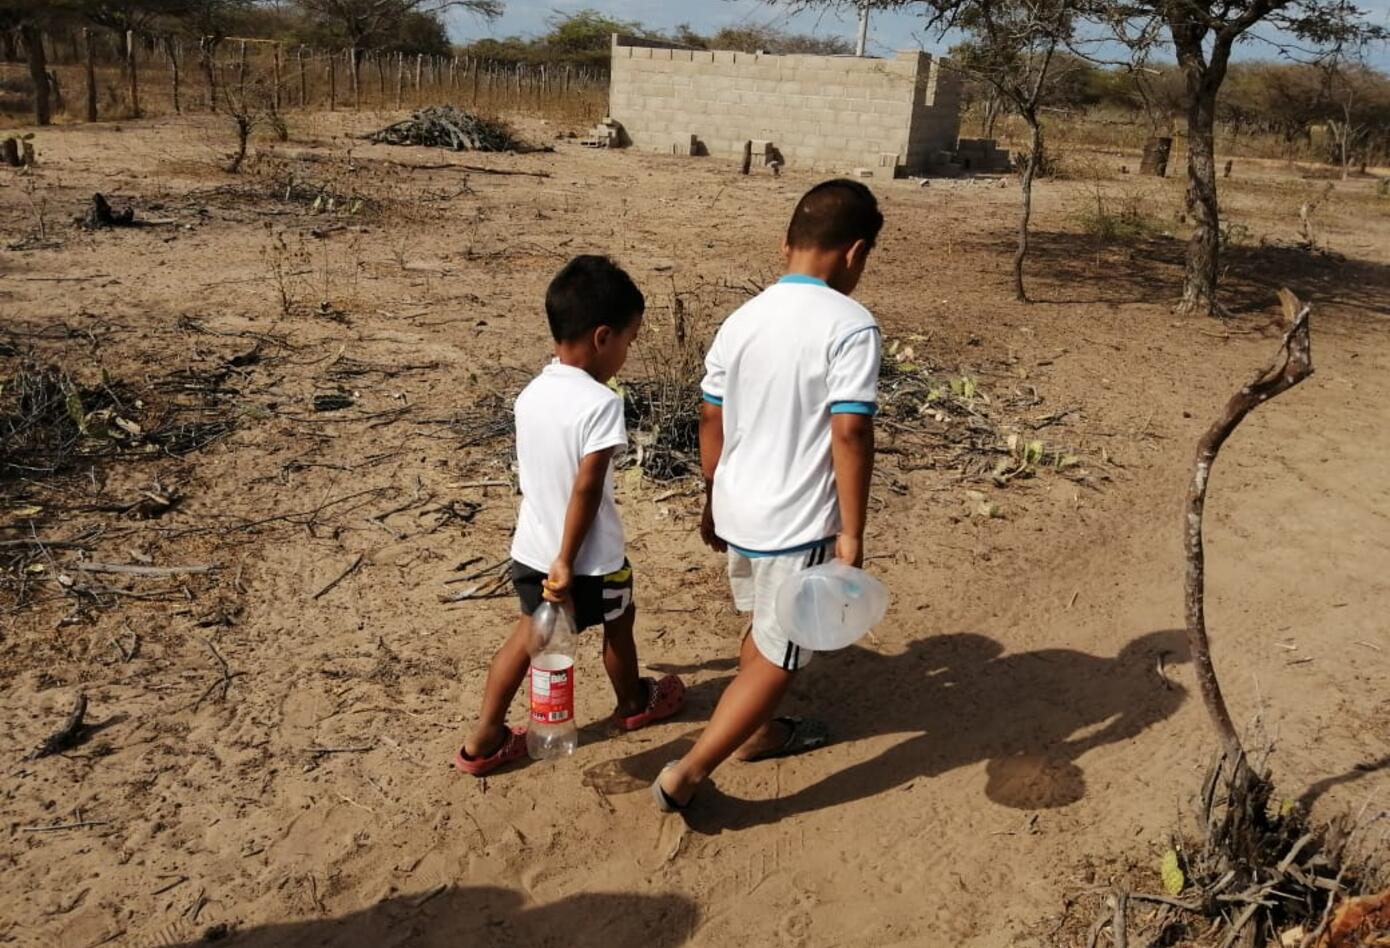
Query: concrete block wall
[832, 113]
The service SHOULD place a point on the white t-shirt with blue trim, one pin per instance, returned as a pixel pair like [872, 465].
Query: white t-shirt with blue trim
[780, 366]
[562, 416]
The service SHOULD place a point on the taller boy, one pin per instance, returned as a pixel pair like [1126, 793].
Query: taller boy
[787, 448]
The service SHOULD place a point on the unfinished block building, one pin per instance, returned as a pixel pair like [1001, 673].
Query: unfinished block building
[833, 113]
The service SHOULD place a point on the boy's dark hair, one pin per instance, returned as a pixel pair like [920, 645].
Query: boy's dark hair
[835, 214]
[591, 291]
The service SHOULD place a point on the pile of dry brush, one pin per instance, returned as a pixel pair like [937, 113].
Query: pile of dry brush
[446, 126]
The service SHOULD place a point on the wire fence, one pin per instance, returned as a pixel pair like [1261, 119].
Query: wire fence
[98, 74]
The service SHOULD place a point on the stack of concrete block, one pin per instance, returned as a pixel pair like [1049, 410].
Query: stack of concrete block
[606, 134]
[828, 112]
[982, 156]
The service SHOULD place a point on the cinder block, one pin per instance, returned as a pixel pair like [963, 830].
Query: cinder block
[642, 52]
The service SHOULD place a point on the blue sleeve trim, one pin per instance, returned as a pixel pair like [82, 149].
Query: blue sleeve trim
[713, 399]
[845, 339]
[853, 408]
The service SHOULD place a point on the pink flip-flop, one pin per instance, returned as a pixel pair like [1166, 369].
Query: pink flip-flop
[513, 748]
[666, 697]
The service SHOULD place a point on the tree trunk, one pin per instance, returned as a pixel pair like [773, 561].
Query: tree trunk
[90, 55]
[173, 55]
[132, 71]
[38, 72]
[1030, 170]
[1199, 282]
[991, 114]
[1346, 138]
[1155, 160]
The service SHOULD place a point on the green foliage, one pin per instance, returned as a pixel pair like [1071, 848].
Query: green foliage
[583, 38]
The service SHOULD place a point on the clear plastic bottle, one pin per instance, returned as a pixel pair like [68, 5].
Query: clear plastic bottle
[830, 606]
[554, 644]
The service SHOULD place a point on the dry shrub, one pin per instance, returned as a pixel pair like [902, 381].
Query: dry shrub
[1120, 216]
[663, 395]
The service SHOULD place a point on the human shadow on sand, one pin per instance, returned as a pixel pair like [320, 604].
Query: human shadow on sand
[485, 915]
[955, 700]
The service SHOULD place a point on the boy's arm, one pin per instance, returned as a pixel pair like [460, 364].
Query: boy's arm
[852, 453]
[585, 497]
[711, 449]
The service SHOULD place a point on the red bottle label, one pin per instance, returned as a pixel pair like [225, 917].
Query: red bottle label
[552, 695]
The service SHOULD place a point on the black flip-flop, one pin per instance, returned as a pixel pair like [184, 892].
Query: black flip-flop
[803, 734]
[664, 801]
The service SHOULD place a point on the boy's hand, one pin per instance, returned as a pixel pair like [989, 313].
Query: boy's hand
[850, 549]
[707, 531]
[556, 587]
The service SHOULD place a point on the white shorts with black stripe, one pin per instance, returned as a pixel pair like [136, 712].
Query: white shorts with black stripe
[755, 581]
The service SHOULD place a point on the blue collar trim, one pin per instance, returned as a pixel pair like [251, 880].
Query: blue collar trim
[804, 279]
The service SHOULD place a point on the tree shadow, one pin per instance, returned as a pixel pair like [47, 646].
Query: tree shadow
[955, 700]
[1150, 270]
[1364, 769]
[486, 915]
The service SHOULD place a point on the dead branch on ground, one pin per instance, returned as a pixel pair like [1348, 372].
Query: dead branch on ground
[66, 736]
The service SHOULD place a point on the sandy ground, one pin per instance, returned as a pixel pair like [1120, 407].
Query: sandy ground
[1006, 740]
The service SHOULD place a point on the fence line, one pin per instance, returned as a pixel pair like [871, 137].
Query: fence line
[98, 74]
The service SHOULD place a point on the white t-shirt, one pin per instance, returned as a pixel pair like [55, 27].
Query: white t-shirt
[781, 365]
[562, 416]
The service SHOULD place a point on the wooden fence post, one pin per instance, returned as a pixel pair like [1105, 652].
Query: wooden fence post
[275, 75]
[356, 87]
[419, 67]
[400, 78]
[380, 80]
[332, 81]
[131, 68]
[303, 78]
[475, 81]
[172, 54]
[241, 73]
[91, 74]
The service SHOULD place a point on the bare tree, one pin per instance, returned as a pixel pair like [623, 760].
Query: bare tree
[1011, 50]
[367, 24]
[1204, 33]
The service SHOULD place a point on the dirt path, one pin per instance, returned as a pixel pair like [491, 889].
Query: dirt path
[1005, 740]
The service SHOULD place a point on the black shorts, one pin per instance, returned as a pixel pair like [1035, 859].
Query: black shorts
[596, 599]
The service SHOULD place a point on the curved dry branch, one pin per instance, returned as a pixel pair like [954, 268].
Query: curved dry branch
[1292, 365]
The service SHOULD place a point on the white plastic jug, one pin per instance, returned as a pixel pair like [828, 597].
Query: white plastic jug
[830, 606]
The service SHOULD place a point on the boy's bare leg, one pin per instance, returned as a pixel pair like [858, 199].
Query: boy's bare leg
[620, 661]
[504, 677]
[740, 719]
[771, 734]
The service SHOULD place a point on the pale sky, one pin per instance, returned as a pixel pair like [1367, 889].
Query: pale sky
[888, 31]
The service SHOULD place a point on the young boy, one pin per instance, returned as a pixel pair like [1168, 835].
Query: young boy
[787, 448]
[568, 545]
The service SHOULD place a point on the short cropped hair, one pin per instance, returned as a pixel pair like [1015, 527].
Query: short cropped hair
[835, 214]
[591, 291]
